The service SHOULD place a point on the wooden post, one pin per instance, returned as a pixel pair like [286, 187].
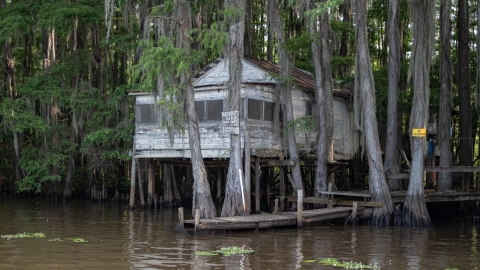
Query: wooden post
[132, 183]
[299, 208]
[354, 212]
[275, 210]
[219, 182]
[140, 186]
[282, 189]
[180, 217]
[257, 185]
[151, 176]
[247, 172]
[197, 218]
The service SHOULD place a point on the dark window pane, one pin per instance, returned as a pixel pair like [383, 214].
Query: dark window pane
[255, 109]
[214, 109]
[200, 109]
[146, 113]
[309, 109]
[269, 109]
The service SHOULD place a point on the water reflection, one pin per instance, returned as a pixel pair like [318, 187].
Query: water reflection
[122, 239]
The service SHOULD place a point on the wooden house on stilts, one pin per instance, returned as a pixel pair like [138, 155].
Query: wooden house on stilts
[259, 123]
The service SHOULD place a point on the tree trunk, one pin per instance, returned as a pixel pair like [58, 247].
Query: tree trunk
[445, 113]
[391, 149]
[285, 87]
[346, 10]
[67, 192]
[463, 51]
[202, 198]
[233, 204]
[321, 54]
[378, 186]
[423, 20]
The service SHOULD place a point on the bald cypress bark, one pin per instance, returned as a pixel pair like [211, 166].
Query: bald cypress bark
[365, 87]
[445, 112]
[464, 95]
[415, 212]
[285, 87]
[391, 147]
[233, 204]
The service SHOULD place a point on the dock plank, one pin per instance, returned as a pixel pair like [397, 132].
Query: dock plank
[262, 221]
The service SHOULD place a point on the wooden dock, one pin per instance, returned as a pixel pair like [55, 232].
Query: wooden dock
[434, 196]
[263, 221]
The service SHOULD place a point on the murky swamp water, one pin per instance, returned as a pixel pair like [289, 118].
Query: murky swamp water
[122, 239]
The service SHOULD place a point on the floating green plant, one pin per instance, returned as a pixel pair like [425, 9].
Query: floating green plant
[77, 240]
[23, 235]
[345, 265]
[225, 251]
[55, 240]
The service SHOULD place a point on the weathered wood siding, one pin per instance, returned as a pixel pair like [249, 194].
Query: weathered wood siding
[152, 141]
[345, 138]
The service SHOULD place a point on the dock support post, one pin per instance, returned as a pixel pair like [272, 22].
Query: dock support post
[257, 185]
[180, 217]
[140, 185]
[275, 210]
[151, 182]
[282, 189]
[354, 212]
[197, 218]
[299, 208]
[247, 172]
[132, 183]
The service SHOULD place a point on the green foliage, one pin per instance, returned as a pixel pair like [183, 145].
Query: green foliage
[19, 116]
[225, 251]
[343, 264]
[23, 235]
[213, 40]
[301, 124]
[322, 7]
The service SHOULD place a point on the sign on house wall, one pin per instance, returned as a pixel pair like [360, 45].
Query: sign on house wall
[231, 122]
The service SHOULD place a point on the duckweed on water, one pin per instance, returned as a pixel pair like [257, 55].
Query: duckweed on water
[345, 265]
[77, 240]
[23, 235]
[55, 240]
[225, 251]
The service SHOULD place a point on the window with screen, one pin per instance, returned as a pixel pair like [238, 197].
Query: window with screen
[255, 109]
[146, 113]
[268, 109]
[260, 110]
[209, 109]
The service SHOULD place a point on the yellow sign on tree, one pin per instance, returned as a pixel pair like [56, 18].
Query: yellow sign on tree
[419, 132]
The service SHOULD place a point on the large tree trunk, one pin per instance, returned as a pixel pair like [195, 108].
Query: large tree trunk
[391, 149]
[346, 11]
[365, 85]
[201, 190]
[463, 51]
[233, 204]
[285, 87]
[67, 191]
[445, 112]
[423, 19]
[321, 54]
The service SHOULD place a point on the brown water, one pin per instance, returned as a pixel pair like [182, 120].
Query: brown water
[121, 239]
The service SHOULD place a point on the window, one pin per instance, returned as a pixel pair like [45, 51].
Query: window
[146, 113]
[260, 110]
[209, 109]
[310, 108]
